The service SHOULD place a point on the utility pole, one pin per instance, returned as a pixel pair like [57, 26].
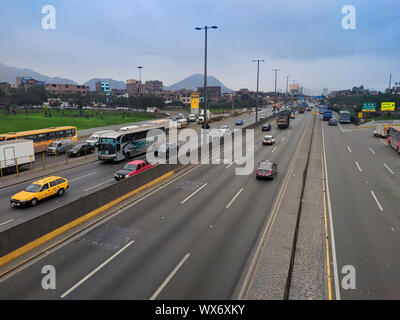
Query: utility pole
[205, 28]
[287, 83]
[140, 78]
[390, 82]
[258, 78]
[276, 71]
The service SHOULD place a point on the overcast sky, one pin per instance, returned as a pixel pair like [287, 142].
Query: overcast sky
[304, 38]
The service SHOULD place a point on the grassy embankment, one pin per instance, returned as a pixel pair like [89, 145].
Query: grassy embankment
[92, 119]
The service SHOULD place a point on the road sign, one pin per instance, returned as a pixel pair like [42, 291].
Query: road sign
[369, 107]
[194, 103]
[388, 106]
[314, 112]
[360, 115]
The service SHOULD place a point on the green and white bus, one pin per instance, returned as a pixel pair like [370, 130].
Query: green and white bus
[123, 145]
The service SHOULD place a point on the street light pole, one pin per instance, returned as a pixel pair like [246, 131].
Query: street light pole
[140, 77]
[258, 77]
[276, 71]
[205, 28]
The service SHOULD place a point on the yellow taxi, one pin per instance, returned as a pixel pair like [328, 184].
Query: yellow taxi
[292, 116]
[40, 190]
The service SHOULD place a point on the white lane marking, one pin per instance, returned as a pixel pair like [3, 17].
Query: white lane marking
[349, 148]
[89, 174]
[97, 185]
[251, 148]
[274, 149]
[97, 269]
[165, 282]
[6, 222]
[335, 268]
[234, 198]
[183, 201]
[283, 138]
[231, 164]
[358, 166]
[376, 200]
[387, 167]
[370, 149]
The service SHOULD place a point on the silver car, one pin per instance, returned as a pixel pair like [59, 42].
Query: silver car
[59, 146]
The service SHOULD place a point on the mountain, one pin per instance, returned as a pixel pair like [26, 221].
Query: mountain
[114, 84]
[195, 81]
[9, 74]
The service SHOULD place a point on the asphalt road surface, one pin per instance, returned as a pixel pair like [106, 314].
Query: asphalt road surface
[364, 185]
[83, 180]
[189, 240]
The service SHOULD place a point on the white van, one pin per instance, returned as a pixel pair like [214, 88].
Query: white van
[94, 138]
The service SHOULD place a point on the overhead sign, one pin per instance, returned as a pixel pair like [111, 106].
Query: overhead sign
[360, 115]
[369, 107]
[388, 106]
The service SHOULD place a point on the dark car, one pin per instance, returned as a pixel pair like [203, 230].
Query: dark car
[266, 127]
[81, 149]
[132, 168]
[239, 122]
[266, 169]
[332, 122]
[166, 149]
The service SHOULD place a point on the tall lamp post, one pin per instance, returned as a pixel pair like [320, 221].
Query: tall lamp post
[205, 28]
[258, 78]
[276, 71]
[140, 78]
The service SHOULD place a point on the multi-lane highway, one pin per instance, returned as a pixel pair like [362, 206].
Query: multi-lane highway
[364, 189]
[83, 180]
[190, 239]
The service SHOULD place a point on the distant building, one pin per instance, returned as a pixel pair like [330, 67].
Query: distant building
[340, 93]
[103, 87]
[153, 86]
[28, 82]
[5, 86]
[396, 88]
[66, 88]
[118, 93]
[213, 92]
[134, 87]
[325, 92]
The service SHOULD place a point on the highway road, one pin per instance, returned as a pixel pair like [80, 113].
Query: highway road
[364, 189]
[189, 240]
[83, 180]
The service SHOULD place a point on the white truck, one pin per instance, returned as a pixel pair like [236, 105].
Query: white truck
[16, 152]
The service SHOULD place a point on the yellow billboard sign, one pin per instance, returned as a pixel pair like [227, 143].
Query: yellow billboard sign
[388, 106]
[194, 100]
[360, 115]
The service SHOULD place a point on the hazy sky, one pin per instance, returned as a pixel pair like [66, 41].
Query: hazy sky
[304, 38]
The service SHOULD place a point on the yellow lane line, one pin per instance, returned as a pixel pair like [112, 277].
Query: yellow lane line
[55, 233]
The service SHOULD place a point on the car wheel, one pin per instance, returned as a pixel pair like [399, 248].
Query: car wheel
[34, 202]
[127, 156]
[61, 192]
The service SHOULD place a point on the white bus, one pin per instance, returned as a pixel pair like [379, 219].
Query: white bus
[123, 145]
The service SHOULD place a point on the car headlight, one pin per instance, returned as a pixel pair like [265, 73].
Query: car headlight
[127, 176]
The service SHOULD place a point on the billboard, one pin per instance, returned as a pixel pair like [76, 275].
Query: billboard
[369, 107]
[194, 102]
[388, 106]
[294, 87]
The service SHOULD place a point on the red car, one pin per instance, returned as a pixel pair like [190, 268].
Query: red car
[132, 168]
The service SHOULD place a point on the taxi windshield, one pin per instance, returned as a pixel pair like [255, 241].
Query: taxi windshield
[33, 188]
